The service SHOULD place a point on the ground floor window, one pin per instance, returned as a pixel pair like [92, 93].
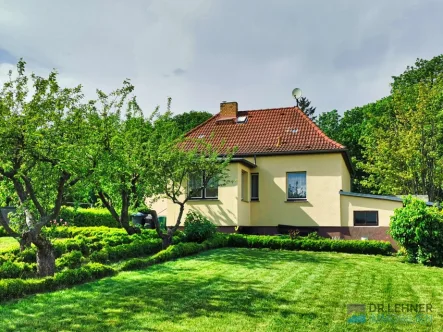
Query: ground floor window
[296, 186]
[365, 218]
[196, 190]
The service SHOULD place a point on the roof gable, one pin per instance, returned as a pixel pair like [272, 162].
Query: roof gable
[273, 130]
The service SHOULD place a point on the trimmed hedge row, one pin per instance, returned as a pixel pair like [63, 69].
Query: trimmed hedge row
[176, 251]
[370, 247]
[88, 217]
[15, 288]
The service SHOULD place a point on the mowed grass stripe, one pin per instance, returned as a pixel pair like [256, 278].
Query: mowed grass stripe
[235, 290]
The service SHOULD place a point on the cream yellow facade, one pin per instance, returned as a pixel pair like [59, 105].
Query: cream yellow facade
[326, 175]
[350, 204]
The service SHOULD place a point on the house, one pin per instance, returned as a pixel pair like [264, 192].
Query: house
[285, 174]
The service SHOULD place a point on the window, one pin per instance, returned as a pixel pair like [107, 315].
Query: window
[244, 186]
[296, 186]
[195, 187]
[211, 190]
[254, 187]
[365, 218]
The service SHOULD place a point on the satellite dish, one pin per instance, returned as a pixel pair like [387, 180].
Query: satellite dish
[296, 93]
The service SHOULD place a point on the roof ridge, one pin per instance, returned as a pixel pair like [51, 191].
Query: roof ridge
[316, 128]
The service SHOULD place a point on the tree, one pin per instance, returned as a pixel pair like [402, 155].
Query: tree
[305, 105]
[43, 151]
[189, 120]
[174, 162]
[404, 153]
[329, 123]
[122, 150]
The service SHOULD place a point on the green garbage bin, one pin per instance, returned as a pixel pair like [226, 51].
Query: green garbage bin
[162, 222]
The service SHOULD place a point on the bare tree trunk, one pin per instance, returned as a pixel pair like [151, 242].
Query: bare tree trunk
[45, 252]
[45, 258]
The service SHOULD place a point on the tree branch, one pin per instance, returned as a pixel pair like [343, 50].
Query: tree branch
[108, 205]
[31, 192]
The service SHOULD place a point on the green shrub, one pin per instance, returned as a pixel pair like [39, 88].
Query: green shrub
[28, 255]
[419, 229]
[273, 242]
[71, 260]
[88, 217]
[3, 232]
[17, 270]
[313, 236]
[198, 228]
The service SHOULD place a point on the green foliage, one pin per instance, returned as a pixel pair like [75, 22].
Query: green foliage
[198, 228]
[88, 217]
[314, 236]
[189, 120]
[14, 288]
[3, 232]
[305, 105]
[71, 260]
[419, 230]
[10, 269]
[329, 123]
[349, 246]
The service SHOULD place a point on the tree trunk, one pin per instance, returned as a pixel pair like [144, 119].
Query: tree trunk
[124, 221]
[166, 241]
[45, 252]
[45, 260]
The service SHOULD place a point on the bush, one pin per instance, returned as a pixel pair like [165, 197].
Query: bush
[419, 229]
[198, 228]
[3, 232]
[71, 260]
[14, 288]
[17, 270]
[88, 217]
[272, 242]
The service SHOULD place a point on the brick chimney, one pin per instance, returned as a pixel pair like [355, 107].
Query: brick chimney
[228, 110]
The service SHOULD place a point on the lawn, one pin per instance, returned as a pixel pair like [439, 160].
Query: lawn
[7, 243]
[236, 290]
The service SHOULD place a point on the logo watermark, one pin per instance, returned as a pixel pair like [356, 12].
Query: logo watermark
[390, 313]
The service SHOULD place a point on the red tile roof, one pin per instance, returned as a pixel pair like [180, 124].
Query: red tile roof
[267, 131]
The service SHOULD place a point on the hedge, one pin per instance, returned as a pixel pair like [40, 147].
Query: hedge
[14, 288]
[88, 217]
[370, 247]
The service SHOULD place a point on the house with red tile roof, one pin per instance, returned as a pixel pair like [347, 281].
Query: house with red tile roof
[286, 174]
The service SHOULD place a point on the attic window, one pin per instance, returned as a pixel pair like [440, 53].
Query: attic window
[201, 136]
[242, 119]
[294, 131]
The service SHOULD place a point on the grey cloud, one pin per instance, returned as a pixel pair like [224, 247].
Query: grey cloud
[179, 72]
[342, 53]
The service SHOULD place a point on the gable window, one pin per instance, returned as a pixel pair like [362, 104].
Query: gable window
[296, 186]
[365, 218]
[196, 190]
[254, 186]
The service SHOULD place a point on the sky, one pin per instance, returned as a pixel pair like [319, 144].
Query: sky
[342, 54]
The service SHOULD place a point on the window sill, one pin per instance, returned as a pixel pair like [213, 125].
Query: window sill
[366, 225]
[255, 200]
[203, 199]
[296, 200]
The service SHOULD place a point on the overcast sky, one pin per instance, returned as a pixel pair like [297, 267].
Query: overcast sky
[342, 54]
